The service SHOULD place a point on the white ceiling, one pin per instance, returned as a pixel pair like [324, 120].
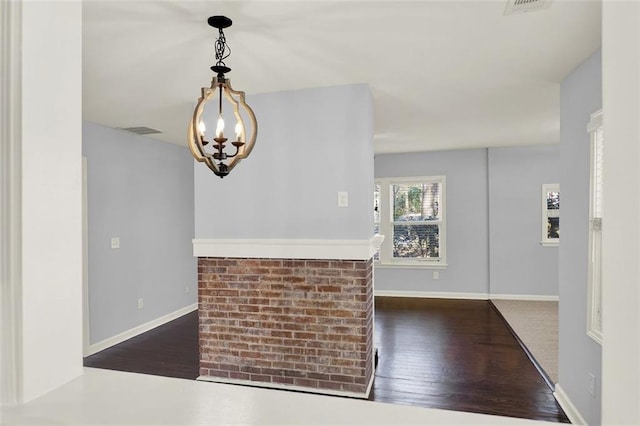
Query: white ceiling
[444, 74]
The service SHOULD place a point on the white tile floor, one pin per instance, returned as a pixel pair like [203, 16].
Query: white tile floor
[116, 398]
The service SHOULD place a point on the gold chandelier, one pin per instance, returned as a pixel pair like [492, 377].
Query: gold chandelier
[218, 159]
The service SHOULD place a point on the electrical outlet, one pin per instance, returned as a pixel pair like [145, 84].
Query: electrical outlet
[436, 275]
[591, 387]
[140, 303]
[186, 289]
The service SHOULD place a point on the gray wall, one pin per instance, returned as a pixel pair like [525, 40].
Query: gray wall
[519, 264]
[311, 144]
[140, 190]
[493, 200]
[466, 220]
[580, 96]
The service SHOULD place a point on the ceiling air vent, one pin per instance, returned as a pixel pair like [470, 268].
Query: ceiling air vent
[141, 130]
[521, 6]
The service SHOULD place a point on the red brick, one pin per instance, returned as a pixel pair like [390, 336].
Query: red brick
[270, 309]
[294, 326]
[322, 384]
[354, 273]
[294, 373]
[281, 333]
[288, 321]
[352, 387]
[282, 380]
[260, 378]
[239, 376]
[341, 378]
[360, 380]
[270, 279]
[319, 376]
[281, 271]
[304, 335]
[317, 264]
[250, 354]
[250, 369]
[329, 272]
[341, 264]
[308, 383]
[283, 365]
[218, 373]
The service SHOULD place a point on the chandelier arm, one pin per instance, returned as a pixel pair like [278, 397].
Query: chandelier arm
[244, 150]
[250, 141]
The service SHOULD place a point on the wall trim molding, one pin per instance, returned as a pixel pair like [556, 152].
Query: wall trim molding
[135, 331]
[430, 294]
[284, 386]
[529, 297]
[570, 410]
[288, 248]
[11, 366]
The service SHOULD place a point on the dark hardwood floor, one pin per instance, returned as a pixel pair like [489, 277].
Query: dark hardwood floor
[170, 350]
[438, 353]
[456, 355]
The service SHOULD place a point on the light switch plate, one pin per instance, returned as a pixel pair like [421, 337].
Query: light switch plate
[115, 242]
[343, 199]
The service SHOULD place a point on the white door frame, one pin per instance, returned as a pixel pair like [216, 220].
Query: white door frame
[86, 319]
[11, 203]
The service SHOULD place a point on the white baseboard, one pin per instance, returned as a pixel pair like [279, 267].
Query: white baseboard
[431, 294]
[569, 409]
[143, 328]
[529, 297]
[473, 296]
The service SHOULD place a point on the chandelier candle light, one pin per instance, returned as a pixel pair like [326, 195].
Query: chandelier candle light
[219, 161]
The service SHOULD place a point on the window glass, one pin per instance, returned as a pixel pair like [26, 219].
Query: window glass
[409, 212]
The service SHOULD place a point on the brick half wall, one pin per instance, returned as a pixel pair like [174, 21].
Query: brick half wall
[287, 323]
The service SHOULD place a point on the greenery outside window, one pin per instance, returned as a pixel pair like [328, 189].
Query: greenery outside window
[550, 214]
[410, 212]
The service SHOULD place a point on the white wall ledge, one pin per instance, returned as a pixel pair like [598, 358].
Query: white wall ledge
[288, 248]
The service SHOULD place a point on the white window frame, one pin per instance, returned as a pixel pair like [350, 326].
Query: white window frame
[386, 259]
[545, 240]
[594, 275]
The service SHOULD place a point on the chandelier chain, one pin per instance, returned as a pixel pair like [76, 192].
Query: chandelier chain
[222, 49]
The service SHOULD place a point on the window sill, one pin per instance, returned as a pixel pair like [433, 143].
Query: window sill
[550, 243]
[412, 265]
